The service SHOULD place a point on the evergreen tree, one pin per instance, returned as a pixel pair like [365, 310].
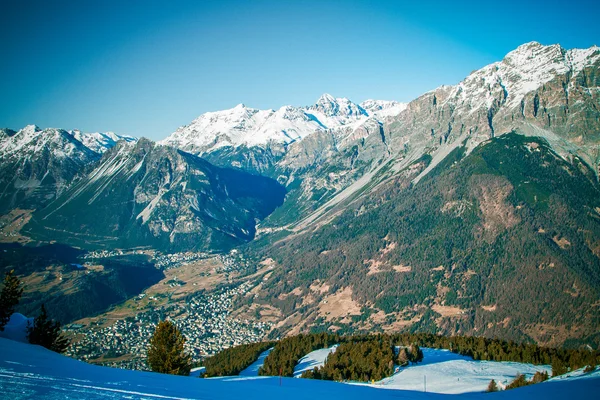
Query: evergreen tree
[539, 377]
[415, 354]
[9, 297]
[166, 352]
[492, 387]
[403, 357]
[47, 333]
[558, 367]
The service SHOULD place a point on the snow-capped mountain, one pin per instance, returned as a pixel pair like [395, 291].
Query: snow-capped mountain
[39, 164]
[100, 141]
[32, 140]
[251, 127]
[536, 90]
[382, 109]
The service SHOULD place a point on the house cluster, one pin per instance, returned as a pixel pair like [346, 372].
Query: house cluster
[102, 254]
[175, 260]
[204, 320]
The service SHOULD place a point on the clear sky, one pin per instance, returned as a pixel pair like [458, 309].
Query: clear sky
[145, 68]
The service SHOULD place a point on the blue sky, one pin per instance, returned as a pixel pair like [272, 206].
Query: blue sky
[144, 68]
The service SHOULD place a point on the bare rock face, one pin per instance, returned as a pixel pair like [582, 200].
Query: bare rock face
[145, 194]
[536, 90]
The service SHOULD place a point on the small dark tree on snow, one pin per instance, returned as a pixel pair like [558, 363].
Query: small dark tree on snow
[415, 354]
[9, 297]
[492, 387]
[539, 377]
[47, 333]
[589, 368]
[166, 352]
[518, 382]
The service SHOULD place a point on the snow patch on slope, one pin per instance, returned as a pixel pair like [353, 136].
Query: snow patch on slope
[312, 360]
[445, 372]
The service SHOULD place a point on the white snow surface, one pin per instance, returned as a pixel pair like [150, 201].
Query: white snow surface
[445, 372]
[16, 328]
[100, 141]
[252, 370]
[28, 371]
[62, 144]
[242, 125]
[313, 360]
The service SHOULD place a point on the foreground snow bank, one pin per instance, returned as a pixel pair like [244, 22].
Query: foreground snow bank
[28, 371]
[16, 328]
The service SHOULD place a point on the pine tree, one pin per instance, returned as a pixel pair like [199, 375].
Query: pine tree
[9, 297]
[47, 333]
[415, 354]
[402, 357]
[492, 387]
[558, 367]
[166, 352]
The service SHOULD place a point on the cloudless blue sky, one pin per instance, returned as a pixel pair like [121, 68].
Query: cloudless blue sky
[144, 68]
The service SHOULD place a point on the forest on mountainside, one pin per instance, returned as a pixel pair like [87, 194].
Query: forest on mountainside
[508, 235]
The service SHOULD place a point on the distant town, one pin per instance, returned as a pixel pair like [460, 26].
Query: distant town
[204, 320]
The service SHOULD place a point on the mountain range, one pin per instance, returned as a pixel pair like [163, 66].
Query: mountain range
[473, 209]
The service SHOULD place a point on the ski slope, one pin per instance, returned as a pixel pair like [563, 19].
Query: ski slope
[313, 360]
[445, 372]
[252, 370]
[32, 372]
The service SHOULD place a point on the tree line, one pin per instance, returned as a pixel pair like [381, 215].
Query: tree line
[368, 360]
[367, 357]
[234, 360]
[284, 357]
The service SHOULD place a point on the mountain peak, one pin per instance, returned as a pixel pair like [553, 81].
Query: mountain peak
[338, 107]
[31, 129]
[326, 98]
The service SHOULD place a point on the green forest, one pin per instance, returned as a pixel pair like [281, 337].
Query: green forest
[511, 226]
[233, 360]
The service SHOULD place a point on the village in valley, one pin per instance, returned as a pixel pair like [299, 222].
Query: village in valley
[201, 311]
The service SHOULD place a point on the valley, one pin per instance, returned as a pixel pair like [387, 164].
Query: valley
[472, 210]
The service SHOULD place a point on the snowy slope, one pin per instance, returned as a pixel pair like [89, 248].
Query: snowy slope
[16, 328]
[313, 360]
[523, 70]
[242, 125]
[33, 140]
[445, 372]
[38, 165]
[99, 141]
[441, 370]
[382, 109]
[33, 372]
[252, 370]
